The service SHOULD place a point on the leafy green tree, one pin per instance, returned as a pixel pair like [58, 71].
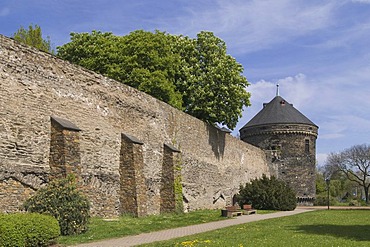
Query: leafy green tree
[193, 75]
[33, 37]
[143, 60]
[93, 51]
[213, 88]
[320, 183]
[341, 188]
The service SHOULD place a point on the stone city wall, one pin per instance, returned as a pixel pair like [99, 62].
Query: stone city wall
[119, 141]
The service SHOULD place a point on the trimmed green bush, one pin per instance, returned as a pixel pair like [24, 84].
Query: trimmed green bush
[62, 200]
[28, 229]
[267, 193]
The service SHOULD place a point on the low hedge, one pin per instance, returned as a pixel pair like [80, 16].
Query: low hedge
[28, 229]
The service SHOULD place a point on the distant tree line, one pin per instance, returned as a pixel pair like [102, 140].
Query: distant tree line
[349, 174]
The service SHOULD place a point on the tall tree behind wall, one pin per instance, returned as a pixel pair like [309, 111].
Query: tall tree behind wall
[214, 88]
[193, 75]
[33, 37]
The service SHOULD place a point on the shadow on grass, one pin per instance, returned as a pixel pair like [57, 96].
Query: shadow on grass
[353, 232]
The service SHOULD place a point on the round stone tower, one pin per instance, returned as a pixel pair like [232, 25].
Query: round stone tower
[289, 140]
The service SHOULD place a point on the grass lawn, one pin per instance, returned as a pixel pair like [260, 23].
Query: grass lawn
[127, 225]
[317, 228]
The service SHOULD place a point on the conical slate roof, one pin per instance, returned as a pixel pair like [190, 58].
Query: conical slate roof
[278, 111]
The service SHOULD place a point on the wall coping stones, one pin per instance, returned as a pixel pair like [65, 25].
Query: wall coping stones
[172, 148]
[132, 139]
[65, 124]
[223, 129]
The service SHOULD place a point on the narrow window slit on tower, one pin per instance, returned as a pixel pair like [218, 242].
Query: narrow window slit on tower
[307, 146]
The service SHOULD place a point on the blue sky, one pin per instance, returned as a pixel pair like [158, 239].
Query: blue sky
[317, 50]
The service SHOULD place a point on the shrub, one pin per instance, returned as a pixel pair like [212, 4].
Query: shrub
[62, 200]
[322, 200]
[268, 193]
[24, 229]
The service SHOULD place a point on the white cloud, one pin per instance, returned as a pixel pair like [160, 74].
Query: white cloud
[321, 158]
[342, 124]
[4, 12]
[255, 25]
[361, 1]
[346, 36]
[332, 128]
[297, 90]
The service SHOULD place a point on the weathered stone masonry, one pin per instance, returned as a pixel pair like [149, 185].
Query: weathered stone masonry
[64, 148]
[118, 175]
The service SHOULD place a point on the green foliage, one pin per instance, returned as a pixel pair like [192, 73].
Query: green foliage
[33, 37]
[341, 189]
[320, 183]
[193, 75]
[322, 200]
[179, 201]
[267, 193]
[28, 230]
[213, 86]
[143, 60]
[179, 208]
[62, 200]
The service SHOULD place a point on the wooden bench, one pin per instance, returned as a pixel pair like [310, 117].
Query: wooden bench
[247, 209]
[231, 211]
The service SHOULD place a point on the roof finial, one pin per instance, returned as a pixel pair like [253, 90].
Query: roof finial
[277, 89]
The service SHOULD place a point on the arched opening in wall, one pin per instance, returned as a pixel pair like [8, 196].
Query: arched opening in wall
[65, 154]
[171, 184]
[133, 197]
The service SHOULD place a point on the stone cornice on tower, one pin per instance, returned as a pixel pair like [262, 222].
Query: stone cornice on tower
[274, 129]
